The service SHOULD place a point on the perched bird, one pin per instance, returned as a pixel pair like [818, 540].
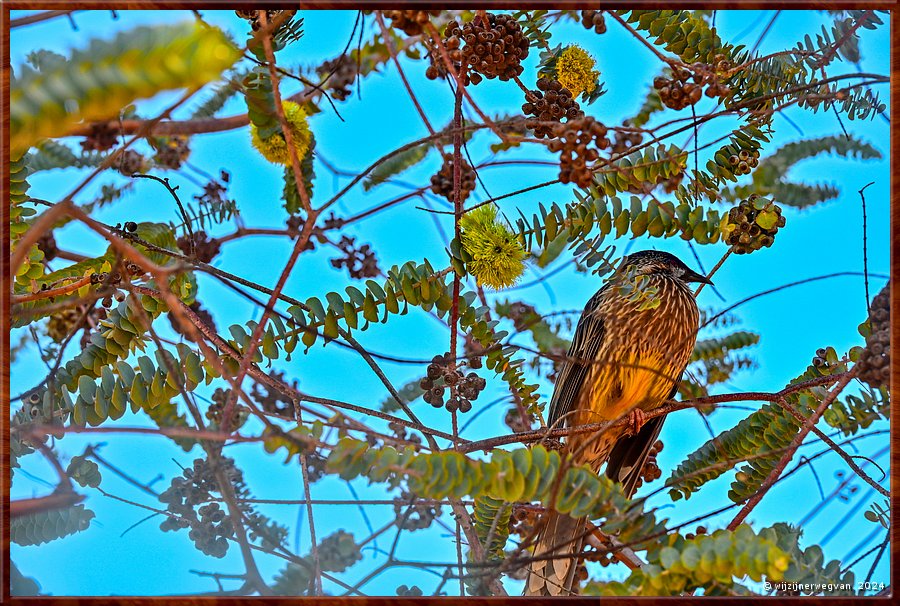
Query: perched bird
[623, 361]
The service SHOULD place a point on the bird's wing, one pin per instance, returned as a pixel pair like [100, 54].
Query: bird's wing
[585, 345]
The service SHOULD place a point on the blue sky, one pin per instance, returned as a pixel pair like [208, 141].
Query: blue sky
[792, 323]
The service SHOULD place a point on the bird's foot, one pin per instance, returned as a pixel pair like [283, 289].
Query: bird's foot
[636, 420]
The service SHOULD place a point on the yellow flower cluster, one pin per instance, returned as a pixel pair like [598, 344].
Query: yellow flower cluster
[575, 70]
[274, 148]
[497, 257]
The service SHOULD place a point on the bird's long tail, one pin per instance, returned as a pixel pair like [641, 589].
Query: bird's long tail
[561, 536]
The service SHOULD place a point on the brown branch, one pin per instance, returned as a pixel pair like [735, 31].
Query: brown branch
[51, 502]
[37, 18]
[54, 292]
[713, 271]
[540, 434]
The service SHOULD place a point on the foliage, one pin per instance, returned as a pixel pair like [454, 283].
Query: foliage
[84, 471]
[759, 440]
[522, 474]
[577, 222]
[708, 562]
[46, 526]
[222, 93]
[679, 32]
[20, 585]
[633, 172]
[337, 552]
[32, 268]
[95, 83]
[51, 154]
[396, 165]
[535, 26]
[770, 177]
[859, 411]
[807, 567]
[291, 196]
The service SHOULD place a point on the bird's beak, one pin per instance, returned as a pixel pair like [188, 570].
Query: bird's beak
[692, 276]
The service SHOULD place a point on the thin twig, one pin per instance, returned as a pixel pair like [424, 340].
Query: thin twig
[862, 196]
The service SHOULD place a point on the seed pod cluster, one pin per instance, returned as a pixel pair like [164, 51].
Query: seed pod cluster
[412, 23]
[204, 248]
[547, 106]
[341, 73]
[752, 224]
[63, 323]
[713, 77]
[875, 361]
[405, 591]
[438, 69]
[701, 531]
[744, 161]
[413, 513]
[442, 182]
[523, 519]
[104, 277]
[513, 419]
[677, 92]
[272, 400]
[625, 140]
[820, 360]
[131, 162]
[171, 152]
[315, 466]
[579, 141]
[211, 529]
[107, 301]
[201, 312]
[593, 20]
[686, 85]
[253, 17]
[338, 551]
[100, 138]
[402, 434]
[360, 261]
[464, 388]
[651, 470]
[494, 48]
[214, 413]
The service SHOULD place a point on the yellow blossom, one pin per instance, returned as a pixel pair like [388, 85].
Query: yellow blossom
[274, 148]
[575, 70]
[497, 257]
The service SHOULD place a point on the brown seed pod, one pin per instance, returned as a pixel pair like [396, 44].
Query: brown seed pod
[442, 182]
[410, 22]
[578, 142]
[548, 106]
[752, 224]
[875, 361]
[593, 20]
[493, 48]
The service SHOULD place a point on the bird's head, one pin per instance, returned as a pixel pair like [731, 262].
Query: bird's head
[648, 262]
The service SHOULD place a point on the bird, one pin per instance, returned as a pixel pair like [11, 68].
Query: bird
[626, 359]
